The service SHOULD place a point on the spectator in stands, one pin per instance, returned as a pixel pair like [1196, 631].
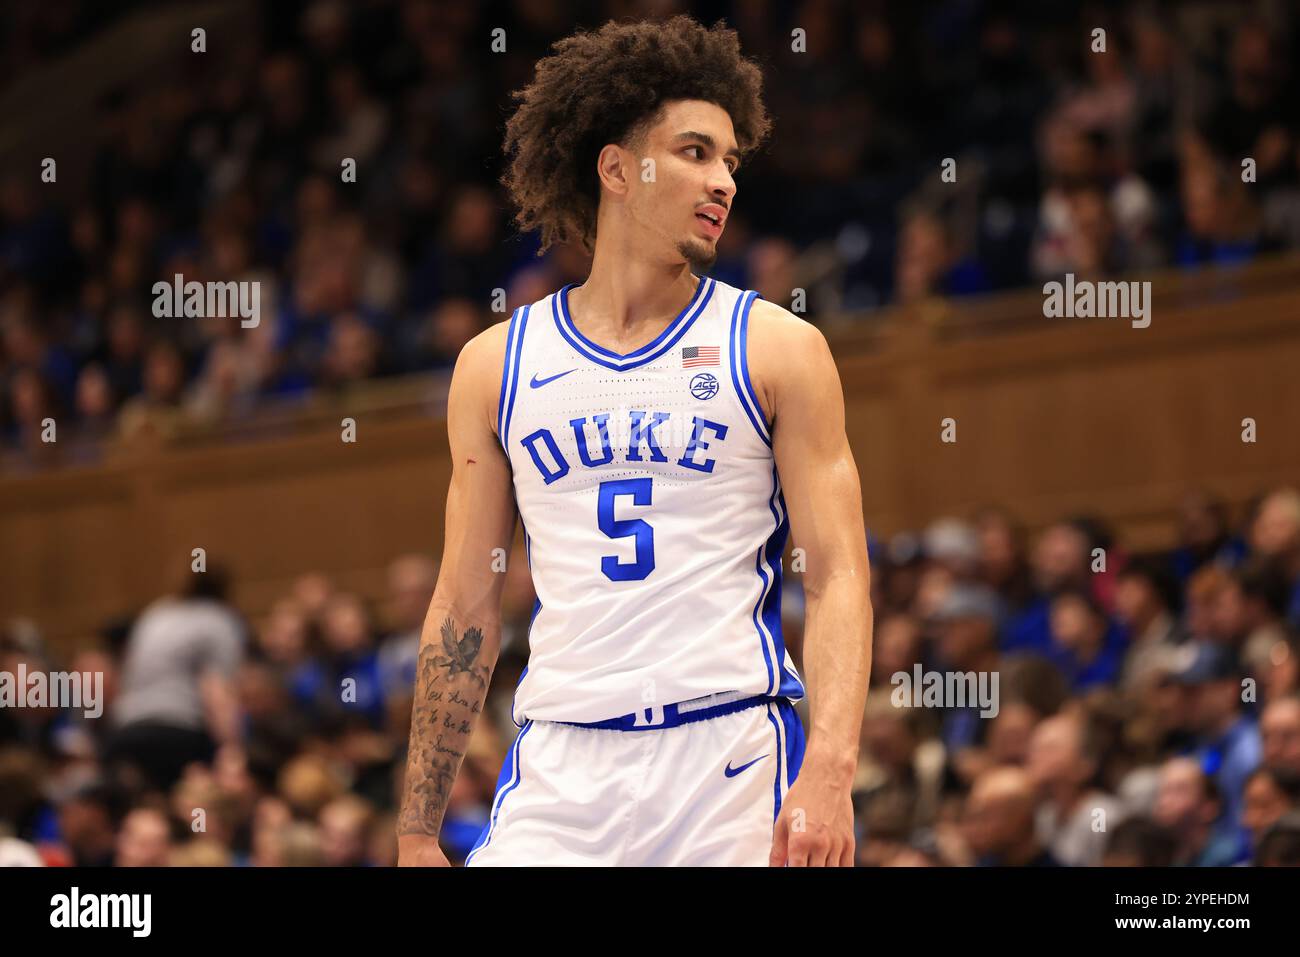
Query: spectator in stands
[1248, 614]
[88, 820]
[1279, 727]
[1251, 115]
[199, 852]
[1189, 805]
[1139, 842]
[1059, 562]
[1269, 795]
[1223, 223]
[1280, 844]
[32, 407]
[930, 263]
[95, 403]
[1227, 740]
[1095, 218]
[1201, 600]
[177, 700]
[225, 390]
[1275, 539]
[966, 642]
[286, 640]
[1086, 645]
[353, 352]
[896, 763]
[999, 821]
[145, 839]
[347, 679]
[344, 828]
[123, 351]
[411, 580]
[1145, 605]
[1203, 535]
[1281, 673]
[158, 410]
[1011, 732]
[1073, 815]
[28, 346]
[896, 647]
[1002, 562]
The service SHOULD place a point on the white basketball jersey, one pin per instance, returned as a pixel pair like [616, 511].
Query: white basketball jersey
[652, 513]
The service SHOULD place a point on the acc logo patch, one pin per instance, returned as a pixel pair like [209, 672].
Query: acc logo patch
[704, 385]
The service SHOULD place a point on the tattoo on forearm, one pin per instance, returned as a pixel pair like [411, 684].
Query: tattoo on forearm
[450, 686]
[460, 655]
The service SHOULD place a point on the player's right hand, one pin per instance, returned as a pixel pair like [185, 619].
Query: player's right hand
[416, 850]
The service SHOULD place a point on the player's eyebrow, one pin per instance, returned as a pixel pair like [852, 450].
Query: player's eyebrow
[708, 141]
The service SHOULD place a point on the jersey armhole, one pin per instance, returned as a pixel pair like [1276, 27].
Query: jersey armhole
[510, 375]
[740, 366]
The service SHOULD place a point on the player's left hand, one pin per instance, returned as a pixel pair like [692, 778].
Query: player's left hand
[815, 826]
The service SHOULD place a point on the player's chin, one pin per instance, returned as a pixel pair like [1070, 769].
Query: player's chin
[699, 254]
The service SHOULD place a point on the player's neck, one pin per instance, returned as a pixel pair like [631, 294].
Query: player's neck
[620, 297]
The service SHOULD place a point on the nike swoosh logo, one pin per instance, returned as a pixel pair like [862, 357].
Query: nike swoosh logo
[731, 772]
[537, 383]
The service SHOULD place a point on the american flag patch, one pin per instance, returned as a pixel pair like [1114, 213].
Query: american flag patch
[695, 356]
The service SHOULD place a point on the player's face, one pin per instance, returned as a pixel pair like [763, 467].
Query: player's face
[692, 179]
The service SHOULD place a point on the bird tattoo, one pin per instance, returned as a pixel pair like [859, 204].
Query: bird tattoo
[461, 653]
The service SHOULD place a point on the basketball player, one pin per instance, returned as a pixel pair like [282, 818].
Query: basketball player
[658, 433]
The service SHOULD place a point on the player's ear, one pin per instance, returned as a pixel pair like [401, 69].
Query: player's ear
[614, 169]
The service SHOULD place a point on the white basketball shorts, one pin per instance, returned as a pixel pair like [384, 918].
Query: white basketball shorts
[694, 784]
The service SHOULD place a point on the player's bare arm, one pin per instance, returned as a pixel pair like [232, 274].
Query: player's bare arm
[462, 631]
[799, 388]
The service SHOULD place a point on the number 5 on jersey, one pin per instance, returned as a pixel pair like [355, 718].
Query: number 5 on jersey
[640, 490]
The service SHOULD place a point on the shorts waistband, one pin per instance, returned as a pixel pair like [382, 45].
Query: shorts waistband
[683, 712]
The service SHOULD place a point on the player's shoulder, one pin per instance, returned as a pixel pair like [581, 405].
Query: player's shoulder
[484, 354]
[477, 375]
[779, 339]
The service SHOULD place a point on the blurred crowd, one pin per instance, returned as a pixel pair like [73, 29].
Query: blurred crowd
[1147, 709]
[225, 741]
[227, 167]
[1148, 706]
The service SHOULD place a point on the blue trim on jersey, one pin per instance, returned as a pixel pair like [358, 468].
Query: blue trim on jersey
[568, 321]
[514, 350]
[505, 377]
[795, 743]
[765, 431]
[528, 635]
[790, 685]
[507, 781]
[740, 365]
[647, 353]
[766, 614]
[758, 624]
[672, 717]
[780, 761]
[795, 739]
[767, 607]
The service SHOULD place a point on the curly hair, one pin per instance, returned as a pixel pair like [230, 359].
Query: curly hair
[609, 86]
